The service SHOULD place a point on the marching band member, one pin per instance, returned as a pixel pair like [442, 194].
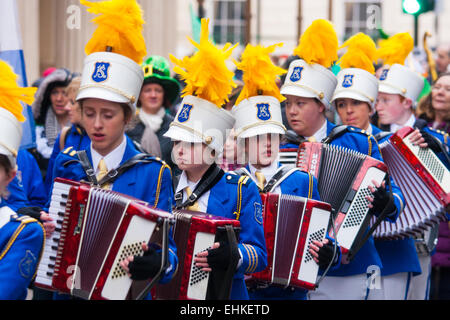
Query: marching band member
[399, 88]
[21, 238]
[110, 86]
[395, 105]
[354, 100]
[199, 131]
[259, 127]
[308, 89]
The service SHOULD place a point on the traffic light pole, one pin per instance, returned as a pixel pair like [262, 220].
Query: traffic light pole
[416, 30]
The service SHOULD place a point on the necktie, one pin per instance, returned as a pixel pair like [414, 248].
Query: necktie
[102, 171]
[194, 206]
[261, 179]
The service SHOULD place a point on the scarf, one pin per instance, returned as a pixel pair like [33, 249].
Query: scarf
[153, 121]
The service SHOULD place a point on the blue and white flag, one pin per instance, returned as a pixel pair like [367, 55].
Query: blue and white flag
[11, 52]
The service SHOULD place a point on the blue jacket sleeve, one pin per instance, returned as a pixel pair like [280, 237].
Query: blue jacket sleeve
[18, 262]
[252, 244]
[17, 197]
[164, 202]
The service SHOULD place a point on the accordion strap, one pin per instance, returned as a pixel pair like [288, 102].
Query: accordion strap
[282, 173]
[87, 167]
[225, 290]
[335, 133]
[381, 135]
[377, 222]
[113, 174]
[208, 180]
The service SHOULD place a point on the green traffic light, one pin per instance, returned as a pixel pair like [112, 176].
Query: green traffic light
[411, 6]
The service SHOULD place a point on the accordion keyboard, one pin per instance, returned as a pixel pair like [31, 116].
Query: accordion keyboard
[432, 163]
[198, 282]
[57, 210]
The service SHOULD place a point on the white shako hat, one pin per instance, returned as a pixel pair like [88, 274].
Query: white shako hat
[258, 115]
[112, 77]
[309, 81]
[398, 79]
[200, 121]
[10, 135]
[356, 84]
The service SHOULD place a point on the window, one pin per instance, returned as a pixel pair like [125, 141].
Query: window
[362, 16]
[229, 21]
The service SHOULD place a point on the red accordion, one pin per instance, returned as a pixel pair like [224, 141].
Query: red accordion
[291, 223]
[195, 232]
[425, 184]
[343, 177]
[95, 230]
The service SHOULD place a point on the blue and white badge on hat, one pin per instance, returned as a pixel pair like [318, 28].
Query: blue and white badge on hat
[384, 74]
[296, 74]
[185, 112]
[263, 112]
[348, 81]
[100, 73]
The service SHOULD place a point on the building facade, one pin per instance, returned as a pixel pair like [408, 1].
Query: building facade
[56, 31]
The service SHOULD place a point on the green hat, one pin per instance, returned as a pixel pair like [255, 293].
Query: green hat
[157, 70]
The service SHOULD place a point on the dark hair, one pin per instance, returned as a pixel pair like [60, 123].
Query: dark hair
[5, 163]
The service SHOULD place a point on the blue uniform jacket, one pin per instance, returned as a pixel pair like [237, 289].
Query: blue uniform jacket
[150, 182]
[30, 179]
[238, 198]
[77, 138]
[363, 142]
[17, 198]
[21, 243]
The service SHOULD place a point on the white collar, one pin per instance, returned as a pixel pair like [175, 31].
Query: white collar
[112, 159]
[409, 123]
[185, 182]
[321, 133]
[369, 129]
[268, 171]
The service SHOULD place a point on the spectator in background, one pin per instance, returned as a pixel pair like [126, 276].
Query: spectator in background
[50, 114]
[158, 93]
[71, 136]
[435, 107]
[443, 58]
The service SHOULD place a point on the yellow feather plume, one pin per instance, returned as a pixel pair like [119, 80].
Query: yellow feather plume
[395, 49]
[11, 94]
[361, 53]
[205, 73]
[318, 44]
[120, 27]
[260, 73]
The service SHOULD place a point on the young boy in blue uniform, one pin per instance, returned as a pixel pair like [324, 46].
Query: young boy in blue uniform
[258, 129]
[21, 238]
[308, 89]
[109, 88]
[355, 102]
[399, 88]
[199, 131]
